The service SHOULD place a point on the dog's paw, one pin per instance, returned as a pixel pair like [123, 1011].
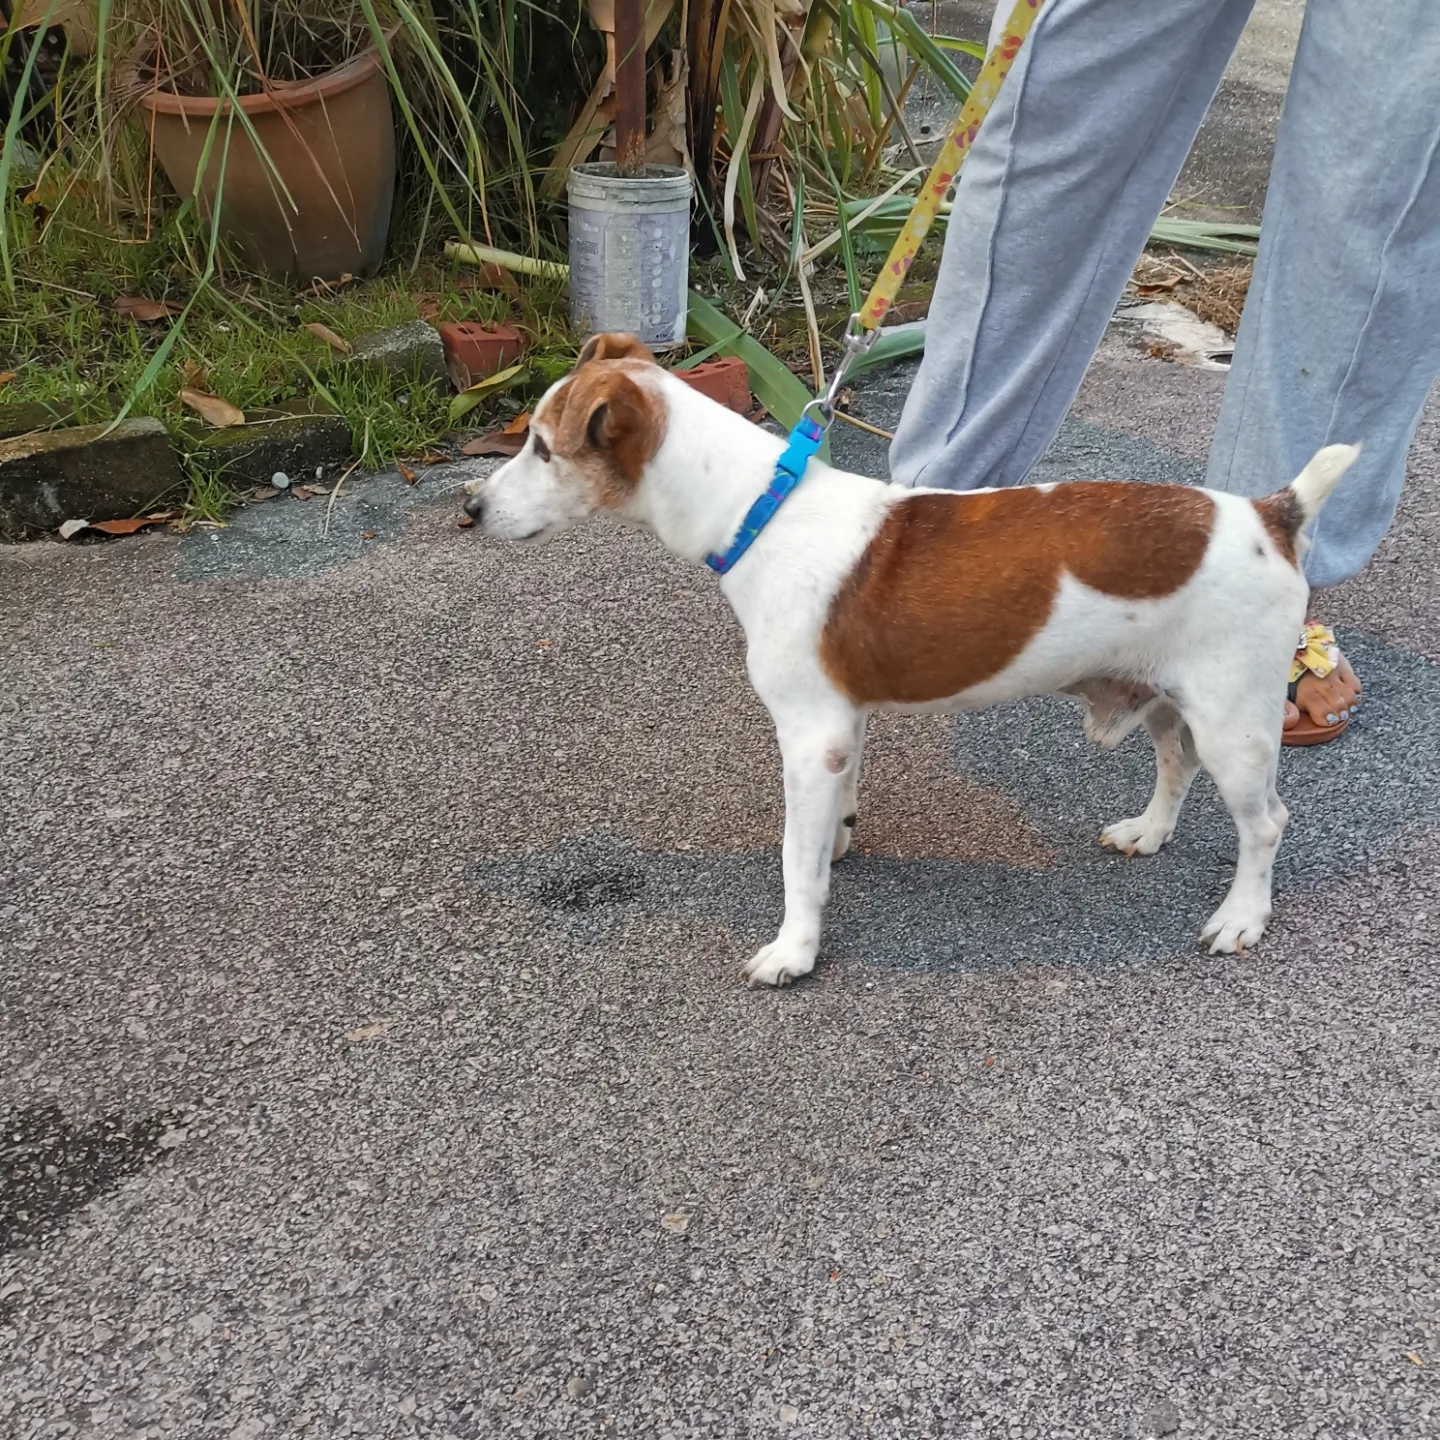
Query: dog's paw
[1140, 836]
[778, 963]
[1233, 928]
[844, 833]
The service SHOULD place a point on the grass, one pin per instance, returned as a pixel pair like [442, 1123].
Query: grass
[243, 340]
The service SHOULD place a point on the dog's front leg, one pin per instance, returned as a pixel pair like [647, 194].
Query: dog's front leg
[818, 755]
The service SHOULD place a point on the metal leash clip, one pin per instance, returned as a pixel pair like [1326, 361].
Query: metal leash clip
[857, 341]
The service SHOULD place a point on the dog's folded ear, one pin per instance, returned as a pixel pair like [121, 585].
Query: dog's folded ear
[613, 347]
[625, 423]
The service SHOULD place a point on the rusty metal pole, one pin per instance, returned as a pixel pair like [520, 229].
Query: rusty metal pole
[630, 87]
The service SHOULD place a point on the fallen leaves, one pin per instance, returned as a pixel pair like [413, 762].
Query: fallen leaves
[328, 287]
[409, 475]
[325, 333]
[143, 310]
[372, 1031]
[71, 528]
[472, 395]
[194, 374]
[212, 409]
[6, 376]
[490, 277]
[300, 492]
[510, 441]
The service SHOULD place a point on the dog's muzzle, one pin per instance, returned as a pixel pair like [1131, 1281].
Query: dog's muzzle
[475, 506]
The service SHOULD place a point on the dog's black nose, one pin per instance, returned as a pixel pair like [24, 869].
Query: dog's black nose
[475, 507]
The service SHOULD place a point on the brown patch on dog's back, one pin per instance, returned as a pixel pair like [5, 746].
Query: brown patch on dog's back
[608, 422]
[953, 587]
[1283, 516]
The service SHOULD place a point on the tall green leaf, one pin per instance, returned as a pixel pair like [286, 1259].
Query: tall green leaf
[780, 392]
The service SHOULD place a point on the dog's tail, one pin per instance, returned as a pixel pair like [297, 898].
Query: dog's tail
[1312, 486]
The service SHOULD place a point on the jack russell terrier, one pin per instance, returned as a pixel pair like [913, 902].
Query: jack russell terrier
[1156, 605]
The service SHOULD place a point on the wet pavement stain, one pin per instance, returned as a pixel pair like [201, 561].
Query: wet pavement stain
[50, 1167]
[1351, 804]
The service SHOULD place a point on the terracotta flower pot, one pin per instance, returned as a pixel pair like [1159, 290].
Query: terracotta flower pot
[332, 141]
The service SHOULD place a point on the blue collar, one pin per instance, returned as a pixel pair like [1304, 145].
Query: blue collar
[805, 440]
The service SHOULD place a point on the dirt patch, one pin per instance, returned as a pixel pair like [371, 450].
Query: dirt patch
[1214, 293]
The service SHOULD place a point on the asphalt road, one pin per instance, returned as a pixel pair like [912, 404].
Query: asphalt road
[375, 1060]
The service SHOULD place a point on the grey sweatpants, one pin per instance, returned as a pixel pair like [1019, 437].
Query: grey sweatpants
[1340, 339]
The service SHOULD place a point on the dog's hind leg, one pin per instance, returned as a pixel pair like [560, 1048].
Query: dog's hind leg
[850, 796]
[1175, 765]
[1237, 736]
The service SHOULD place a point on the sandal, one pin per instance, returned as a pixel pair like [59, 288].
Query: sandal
[1318, 655]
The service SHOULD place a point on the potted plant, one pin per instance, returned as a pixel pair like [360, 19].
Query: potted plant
[276, 119]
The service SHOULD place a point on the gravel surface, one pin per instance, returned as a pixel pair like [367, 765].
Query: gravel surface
[375, 1061]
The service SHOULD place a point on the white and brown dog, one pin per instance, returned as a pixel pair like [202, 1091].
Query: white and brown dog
[1159, 605]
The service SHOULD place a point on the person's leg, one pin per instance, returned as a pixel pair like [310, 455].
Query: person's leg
[1340, 337]
[1052, 210]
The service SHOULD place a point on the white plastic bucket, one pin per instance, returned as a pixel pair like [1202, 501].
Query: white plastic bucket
[630, 251]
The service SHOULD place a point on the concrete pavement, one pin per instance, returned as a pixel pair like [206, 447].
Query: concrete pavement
[375, 1061]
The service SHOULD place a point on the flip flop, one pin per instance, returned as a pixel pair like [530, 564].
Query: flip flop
[1317, 654]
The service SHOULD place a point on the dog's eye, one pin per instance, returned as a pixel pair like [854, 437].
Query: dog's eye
[542, 450]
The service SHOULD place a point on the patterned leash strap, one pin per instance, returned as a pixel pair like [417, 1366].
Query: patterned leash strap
[947, 165]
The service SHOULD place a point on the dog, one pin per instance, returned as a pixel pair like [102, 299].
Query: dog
[1158, 605]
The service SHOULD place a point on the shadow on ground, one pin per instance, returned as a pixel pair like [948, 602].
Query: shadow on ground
[1351, 803]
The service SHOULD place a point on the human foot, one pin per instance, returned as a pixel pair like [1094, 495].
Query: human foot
[1324, 690]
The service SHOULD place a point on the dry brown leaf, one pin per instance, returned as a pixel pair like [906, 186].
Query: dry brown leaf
[129, 527]
[262, 492]
[212, 409]
[304, 492]
[497, 442]
[370, 1031]
[325, 333]
[520, 425]
[194, 374]
[139, 308]
[72, 528]
[433, 457]
[410, 476]
[329, 287]
[6, 376]
[1158, 287]
[490, 277]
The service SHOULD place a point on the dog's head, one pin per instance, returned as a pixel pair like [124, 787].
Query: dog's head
[591, 437]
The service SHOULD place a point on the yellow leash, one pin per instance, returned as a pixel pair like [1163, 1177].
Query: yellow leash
[864, 324]
[947, 164]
